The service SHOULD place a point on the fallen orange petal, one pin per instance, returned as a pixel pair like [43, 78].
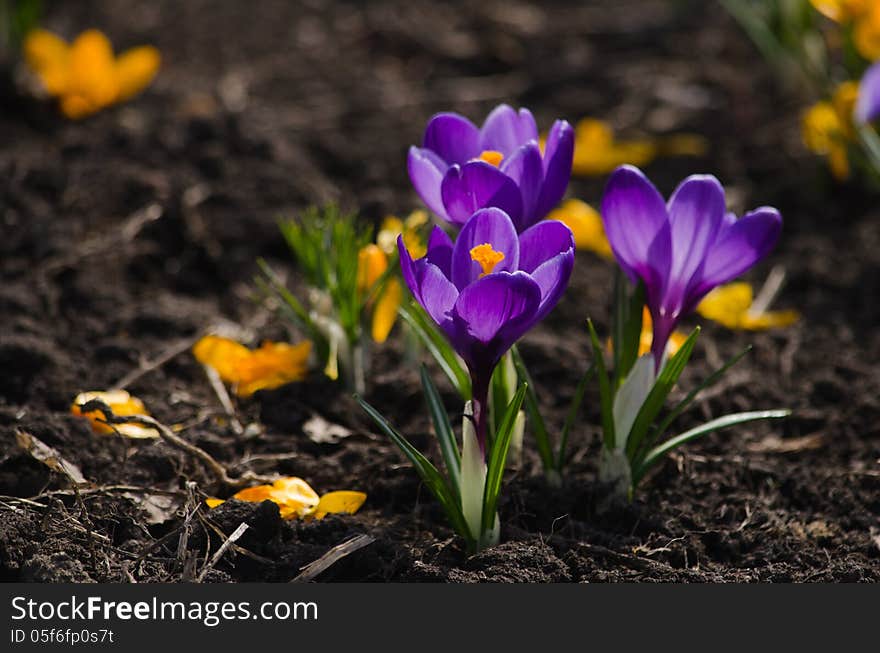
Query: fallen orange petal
[122, 404]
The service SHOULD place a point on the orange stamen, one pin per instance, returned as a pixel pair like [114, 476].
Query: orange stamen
[491, 157]
[487, 257]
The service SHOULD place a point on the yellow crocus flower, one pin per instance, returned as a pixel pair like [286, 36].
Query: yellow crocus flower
[373, 261]
[85, 76]
[841, 11]
[827, 128]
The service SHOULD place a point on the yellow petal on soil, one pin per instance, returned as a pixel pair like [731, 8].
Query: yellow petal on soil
[223, 354]
[213, 503]
[48, 57]
[385, 311]
[729, 305]
[135, 69]
[272, 365]
[295, 497]
[93, 69]
[372, 264]
[586, 225]
[122, 404]
[341, 501]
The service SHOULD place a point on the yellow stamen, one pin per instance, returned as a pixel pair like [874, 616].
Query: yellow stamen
[487, 257]
[491, 157]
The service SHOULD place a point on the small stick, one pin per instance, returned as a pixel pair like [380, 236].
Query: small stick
[219, 471]
[768, 291]
[333, 556]
[237, 533]
[146, 367]
[225, 401]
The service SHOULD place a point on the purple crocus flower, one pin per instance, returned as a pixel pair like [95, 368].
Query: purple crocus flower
[868, 103]
[489, 288]
[684, 248]
[461, 168]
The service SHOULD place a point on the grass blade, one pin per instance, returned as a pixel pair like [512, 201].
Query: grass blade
[436, 344]
[573, 411]
[662, 387]
[429, 474]
[716, 424]
[711, 380]
[443, 428]
[498, 458]
[606, 398]
[533, 410]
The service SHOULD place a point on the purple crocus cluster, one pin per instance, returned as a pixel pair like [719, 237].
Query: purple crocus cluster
[507, 268]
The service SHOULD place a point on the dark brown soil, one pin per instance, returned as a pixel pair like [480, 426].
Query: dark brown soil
[127, 233]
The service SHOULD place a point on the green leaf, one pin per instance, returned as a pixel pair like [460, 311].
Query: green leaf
[443, 428]
[606, 397]
[498, 458]
[627, 326]
[573, 411]
[716, 424]
[533, 410]
[711, 380]
[439, 348]
[662, 387]
[429, 474]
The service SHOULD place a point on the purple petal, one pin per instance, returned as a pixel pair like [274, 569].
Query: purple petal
[476, 185]
[738, 248]
[637, 226]
[526, 168]
[696, 213]
[868, 103]
[426, 170]
[453, 137]
[540, 243]
[558, 157]
[492, 314]
[439, 251]
[505, 130]
[430, 287]
[492, 226]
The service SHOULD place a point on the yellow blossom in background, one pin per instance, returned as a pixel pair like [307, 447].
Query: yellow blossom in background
[597, 152]
[732, 306]
[411, 228]
[676, 338]
[86, 76]
[827, 128]
[272, 365]
[297, 500]
[866, 33]
[122, 404]
[373, 262]
[841, 11]
[863, 15]
[586, 225]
